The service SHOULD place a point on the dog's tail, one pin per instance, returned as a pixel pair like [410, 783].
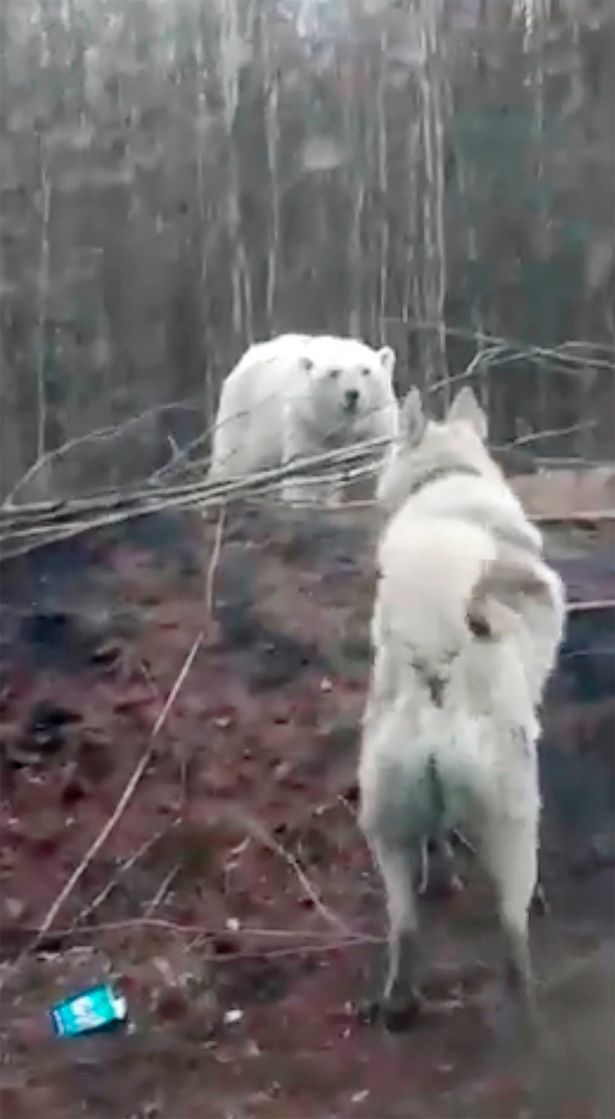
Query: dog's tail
[519, 592]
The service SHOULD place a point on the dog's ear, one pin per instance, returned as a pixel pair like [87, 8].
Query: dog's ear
[386, 357]
[412, 418]
[466, 409]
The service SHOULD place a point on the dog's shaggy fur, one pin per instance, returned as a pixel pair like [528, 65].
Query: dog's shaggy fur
[296, 396]
[466, 627]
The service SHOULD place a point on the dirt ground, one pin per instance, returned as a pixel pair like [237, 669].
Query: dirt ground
[234, 903]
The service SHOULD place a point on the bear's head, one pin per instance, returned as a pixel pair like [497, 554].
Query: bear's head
[346, 380]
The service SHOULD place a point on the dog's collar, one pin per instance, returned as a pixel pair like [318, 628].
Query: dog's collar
[439, 473]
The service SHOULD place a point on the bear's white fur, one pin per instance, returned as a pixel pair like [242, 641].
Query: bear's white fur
[298, 395]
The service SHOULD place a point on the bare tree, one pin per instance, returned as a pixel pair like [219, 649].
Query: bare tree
[431, 81]
[230, 46]
[271, 89]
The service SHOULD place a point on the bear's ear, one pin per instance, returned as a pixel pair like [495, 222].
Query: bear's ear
[466, 409]
[306, 364]
[386, 357]
[412, 418]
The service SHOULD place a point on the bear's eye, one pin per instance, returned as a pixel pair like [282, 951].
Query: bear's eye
[334, 374]
[366, 372]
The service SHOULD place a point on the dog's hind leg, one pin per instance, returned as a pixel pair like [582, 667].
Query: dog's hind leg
[400, 1000]
[509, 851]
[539, 904]
[540, 901]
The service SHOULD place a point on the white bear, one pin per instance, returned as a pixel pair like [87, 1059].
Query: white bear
[298, 395]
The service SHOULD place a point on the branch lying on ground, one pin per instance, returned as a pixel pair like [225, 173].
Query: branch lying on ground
[256, 829]
[580, 518]
[120, 873]
[569, 357]
[492, 350]
[56, 510]
[213, 565]
[158, 897]
[588, 607]
[33, 526]
[27, 526]
[100, 434]
[304, 941]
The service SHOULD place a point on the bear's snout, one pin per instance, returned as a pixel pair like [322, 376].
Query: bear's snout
[351, 399]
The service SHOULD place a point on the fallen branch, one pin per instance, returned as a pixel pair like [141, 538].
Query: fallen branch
[153, 904]
[595, 604]
[213, 565]
[121, 872]
[584, 519]
[98, 435]
[304, 941]
[182, 929]
[257, 830]
[56, 521]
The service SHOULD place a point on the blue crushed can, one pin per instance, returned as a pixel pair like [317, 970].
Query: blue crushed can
[97, 1008]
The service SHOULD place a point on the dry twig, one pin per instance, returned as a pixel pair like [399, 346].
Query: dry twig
[259, 832]
[593, 604]
[153, 904]
[120, 873]
[213, 565]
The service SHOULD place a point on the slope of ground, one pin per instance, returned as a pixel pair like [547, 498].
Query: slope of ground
[234, 902]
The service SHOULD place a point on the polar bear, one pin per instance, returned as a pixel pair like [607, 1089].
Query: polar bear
[300, 395]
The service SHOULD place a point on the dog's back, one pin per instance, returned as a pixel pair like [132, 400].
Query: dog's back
[461, 565]
[452, 587]
[429, 568]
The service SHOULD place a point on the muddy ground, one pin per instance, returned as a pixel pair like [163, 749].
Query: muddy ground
[234, 903]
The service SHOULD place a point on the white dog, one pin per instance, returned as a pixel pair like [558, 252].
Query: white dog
[296, 396]
[466, 628]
